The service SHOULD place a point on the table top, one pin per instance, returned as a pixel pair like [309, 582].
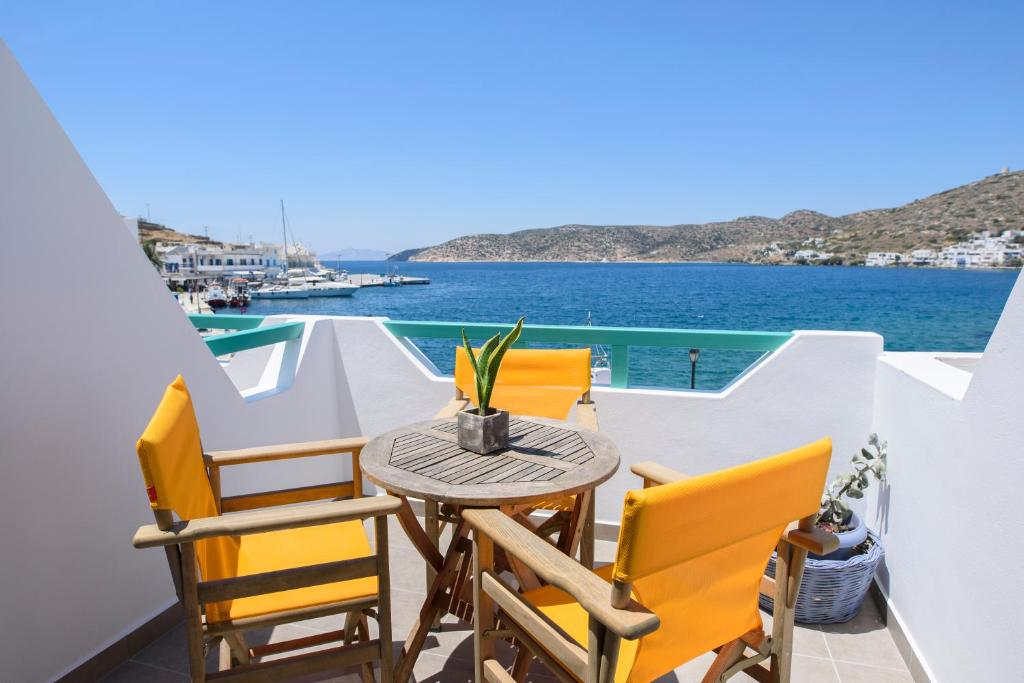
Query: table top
[545, 459]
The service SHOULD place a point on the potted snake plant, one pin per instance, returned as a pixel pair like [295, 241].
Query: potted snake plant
[834, 585]
[483, 429]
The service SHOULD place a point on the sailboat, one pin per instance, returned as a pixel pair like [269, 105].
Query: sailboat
[294, 288]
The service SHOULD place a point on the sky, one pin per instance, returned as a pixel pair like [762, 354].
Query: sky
[397, 125]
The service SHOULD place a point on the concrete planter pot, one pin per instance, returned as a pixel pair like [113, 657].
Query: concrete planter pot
[483, 434]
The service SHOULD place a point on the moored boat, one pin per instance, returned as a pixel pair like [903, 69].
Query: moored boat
[215, 297]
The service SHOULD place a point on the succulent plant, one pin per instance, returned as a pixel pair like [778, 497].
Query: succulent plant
[487, 364]
[835, 512]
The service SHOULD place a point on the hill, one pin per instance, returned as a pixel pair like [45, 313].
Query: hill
[161, 233]
[994, 203]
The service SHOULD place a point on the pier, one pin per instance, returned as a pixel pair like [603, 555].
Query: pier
[375, 280]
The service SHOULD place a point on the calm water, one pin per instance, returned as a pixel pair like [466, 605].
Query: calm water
[947, 310]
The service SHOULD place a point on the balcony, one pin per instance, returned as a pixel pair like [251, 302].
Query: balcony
[860, 650]
[85, 364]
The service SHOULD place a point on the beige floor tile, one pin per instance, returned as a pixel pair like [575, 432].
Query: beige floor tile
[861, 673]
[136, 672]
[873, 647]
[813, 670]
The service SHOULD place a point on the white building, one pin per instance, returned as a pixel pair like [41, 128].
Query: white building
[186, 261]
[923, 257]
[883, 258]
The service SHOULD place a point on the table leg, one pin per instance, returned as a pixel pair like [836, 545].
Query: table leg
[570, 539]
[432, 527]
[438, 598]
[412, 528]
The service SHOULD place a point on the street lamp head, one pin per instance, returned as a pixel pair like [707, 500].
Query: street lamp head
[694, 355]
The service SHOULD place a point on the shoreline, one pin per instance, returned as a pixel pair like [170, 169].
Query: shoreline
[720, 263]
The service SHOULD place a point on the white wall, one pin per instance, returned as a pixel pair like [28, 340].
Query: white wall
[950, 516]
[818, 384]
[85, 358]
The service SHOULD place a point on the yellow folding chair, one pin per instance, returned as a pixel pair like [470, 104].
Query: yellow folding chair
[257, 567]
[542, 383]
[686, 578]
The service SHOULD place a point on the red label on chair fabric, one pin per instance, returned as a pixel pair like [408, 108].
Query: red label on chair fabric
[151, 492]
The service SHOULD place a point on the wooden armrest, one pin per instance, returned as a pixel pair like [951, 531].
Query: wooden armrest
[586, 415]
[453, 408]
[658, 474]
[815, 540]
[561, 571]
[260, 521]
[285, 451]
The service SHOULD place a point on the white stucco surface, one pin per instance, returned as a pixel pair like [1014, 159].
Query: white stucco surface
[948, 516]
[78, 382]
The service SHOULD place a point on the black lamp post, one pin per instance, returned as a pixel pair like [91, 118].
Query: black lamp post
[694, 355]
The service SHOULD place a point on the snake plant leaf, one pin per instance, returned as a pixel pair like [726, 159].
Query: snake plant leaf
[469, 350]
[484, 376]
[494, 362]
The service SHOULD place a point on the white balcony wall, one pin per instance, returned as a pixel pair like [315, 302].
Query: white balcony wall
[82, 368]
[818, 384]
[948, 517]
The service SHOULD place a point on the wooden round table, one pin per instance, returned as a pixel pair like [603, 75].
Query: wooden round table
[545, 460]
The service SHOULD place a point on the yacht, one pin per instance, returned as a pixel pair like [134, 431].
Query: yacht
[288, 291]
[321, 286]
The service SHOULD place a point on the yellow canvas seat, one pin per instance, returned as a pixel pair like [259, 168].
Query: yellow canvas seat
[260, 566]
[276, 550]
[691, 555]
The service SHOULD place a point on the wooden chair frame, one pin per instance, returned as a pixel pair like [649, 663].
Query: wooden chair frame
[250, 515]
[502, 613]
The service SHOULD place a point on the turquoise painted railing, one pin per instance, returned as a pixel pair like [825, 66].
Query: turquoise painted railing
[619, 339]
[249, 334]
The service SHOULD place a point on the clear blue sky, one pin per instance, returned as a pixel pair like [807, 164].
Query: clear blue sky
[398, 125]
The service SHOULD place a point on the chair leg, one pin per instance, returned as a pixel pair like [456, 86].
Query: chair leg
[193, 619]
[239, 649]
[366, 669]
[380, 531]
[729, 654]
[225, 661]
[521, 666]
[782, 617]
[483, 642]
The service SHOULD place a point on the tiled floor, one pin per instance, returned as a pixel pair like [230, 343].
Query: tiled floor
[859, 651]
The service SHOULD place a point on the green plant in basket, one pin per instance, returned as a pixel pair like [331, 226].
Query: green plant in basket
[488, 362]
[835, 512]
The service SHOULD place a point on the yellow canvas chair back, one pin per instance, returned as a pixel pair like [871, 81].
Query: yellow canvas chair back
[537, 382]
[171, 458]
[695, 551]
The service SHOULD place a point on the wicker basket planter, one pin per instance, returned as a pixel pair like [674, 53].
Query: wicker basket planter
[832, 591]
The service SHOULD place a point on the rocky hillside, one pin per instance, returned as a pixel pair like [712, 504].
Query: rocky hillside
[161, 233]
[994, 203]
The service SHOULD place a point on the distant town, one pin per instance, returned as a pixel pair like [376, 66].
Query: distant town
[192, 257]
[981, 250]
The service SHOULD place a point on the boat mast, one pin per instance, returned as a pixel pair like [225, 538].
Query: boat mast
[284, 235]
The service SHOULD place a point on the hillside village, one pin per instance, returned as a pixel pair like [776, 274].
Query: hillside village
[981, 250]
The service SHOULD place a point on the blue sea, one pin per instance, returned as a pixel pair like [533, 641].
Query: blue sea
[913, 309]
